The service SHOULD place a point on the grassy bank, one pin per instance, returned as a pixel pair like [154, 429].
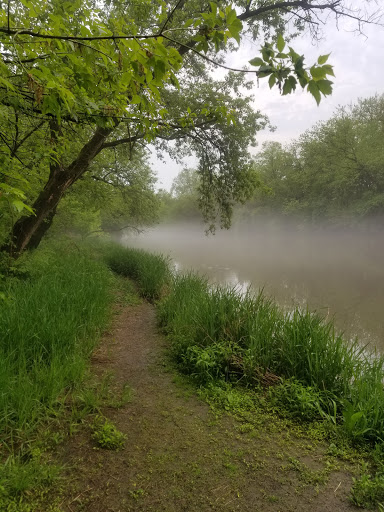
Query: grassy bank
[218, 334]
[56, 303]
[150, 271]
[293, 363]
[49, 322]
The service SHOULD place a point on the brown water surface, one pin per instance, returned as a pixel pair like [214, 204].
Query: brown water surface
[339, 273]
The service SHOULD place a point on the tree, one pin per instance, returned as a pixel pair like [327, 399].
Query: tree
[116, 194]
[80, 79]
[334, 170]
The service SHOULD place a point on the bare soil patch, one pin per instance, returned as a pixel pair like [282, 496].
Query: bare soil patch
[179, 456]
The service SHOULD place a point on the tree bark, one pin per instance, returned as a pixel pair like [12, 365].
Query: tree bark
[28, 231]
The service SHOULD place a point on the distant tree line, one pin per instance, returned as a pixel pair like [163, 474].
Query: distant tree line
[334, 171]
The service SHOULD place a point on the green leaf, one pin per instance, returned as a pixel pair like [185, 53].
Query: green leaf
[265, 71]
[280, 45]
[317, 73]
[294, 56]
[272, 81]
[303, 80]
[235, 28]
[257, 61]
[136, 100]
[289, 85]
[328, 69]
[323, 59]
[314, 90]
[20, 206]
[231, 16]
[325, 87]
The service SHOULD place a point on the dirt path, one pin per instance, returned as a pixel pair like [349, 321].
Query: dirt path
[179, 456]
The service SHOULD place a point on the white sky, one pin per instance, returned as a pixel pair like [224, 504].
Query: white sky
[358, 62]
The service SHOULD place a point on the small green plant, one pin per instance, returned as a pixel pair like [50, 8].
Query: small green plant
[18, 477]
[368, 491]
[211, 362]
[106, 434]
[301, 402]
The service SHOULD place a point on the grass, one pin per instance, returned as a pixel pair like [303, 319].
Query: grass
[53, 311]
[57, 301]
[150, 271]
[54, 304]
[217, 333]
[49, 324]
[220, 336]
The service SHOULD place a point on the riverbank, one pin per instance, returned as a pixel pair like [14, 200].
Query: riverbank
[204, 440]
[181, 454]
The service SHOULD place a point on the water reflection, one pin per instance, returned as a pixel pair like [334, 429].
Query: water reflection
[338, 273]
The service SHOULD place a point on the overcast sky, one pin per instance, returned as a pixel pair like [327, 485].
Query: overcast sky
[358, 62]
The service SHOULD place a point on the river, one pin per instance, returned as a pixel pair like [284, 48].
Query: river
[339, 273]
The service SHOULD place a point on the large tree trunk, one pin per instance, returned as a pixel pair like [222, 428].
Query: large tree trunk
[28, 231]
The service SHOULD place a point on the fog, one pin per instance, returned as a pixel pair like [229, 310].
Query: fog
[338, 272]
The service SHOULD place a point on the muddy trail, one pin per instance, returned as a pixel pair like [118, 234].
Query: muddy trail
[181, 456]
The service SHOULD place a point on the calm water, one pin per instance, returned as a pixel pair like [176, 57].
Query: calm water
[338, 273]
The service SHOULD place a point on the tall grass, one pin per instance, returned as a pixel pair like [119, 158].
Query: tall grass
[48, 328]
[217, 332]
[150, 271]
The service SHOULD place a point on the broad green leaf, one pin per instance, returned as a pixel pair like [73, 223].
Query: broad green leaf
[317, 73]
[325, 87]
[265, 71]
[314, 90]
[231, 17]
[323, 59]
[272, 81]
[289, 85]
[257, 61]
[235, 28]
[20, 206]
[136, 99]
[280, 45]
[328, 69]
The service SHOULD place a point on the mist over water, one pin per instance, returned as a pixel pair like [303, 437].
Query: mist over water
[338, 272]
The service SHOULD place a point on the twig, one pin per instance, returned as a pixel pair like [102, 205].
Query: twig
[337, 487]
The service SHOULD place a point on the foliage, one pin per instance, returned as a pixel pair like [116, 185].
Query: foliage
[335, 170]
[209, 363]
[18, 476]
[152, 64]
[301, 402]
[118, 192]
[286, 69]
[219, 334]
[368, 491]
[49, 327]
[151, 271]
[106, 434]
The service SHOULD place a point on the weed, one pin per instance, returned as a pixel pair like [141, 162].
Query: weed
[309, 476]
[368, 491]
[137, 493]
[302, 402]
[106, 434]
